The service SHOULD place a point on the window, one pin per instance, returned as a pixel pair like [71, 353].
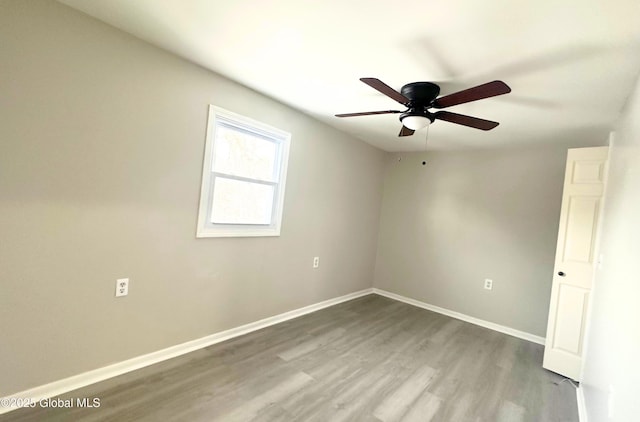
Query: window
[243, 177]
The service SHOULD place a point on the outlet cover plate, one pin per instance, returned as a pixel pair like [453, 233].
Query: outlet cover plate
[122, 287]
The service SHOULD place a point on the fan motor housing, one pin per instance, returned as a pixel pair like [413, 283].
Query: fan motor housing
[421, 94]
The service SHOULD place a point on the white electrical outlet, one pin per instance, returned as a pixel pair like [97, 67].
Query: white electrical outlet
[316, 262]
[122, 287]
[488, 284]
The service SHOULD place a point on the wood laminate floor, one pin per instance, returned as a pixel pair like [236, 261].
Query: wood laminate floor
[369, 359]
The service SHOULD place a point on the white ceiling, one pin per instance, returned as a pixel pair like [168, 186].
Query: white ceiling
[570, 63]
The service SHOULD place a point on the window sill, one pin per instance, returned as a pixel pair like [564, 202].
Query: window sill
[206, 233]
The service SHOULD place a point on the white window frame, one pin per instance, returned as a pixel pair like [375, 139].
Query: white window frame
[205, 227]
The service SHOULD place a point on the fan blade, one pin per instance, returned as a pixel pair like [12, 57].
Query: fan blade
[380, 86]
[461, 119]
[490, 89]
[405, 131]
[368, 113]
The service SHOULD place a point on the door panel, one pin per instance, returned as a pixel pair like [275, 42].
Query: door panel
[568, 333]
[582, 221]
[585, 171]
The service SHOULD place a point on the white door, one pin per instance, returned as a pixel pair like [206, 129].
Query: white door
[573, 273]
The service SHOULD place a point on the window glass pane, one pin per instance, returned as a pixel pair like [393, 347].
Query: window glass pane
[239, 153]
[239, 202]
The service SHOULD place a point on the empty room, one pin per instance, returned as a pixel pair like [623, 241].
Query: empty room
[319, 211]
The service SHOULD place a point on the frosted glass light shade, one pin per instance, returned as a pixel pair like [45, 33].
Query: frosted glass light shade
[416, 122]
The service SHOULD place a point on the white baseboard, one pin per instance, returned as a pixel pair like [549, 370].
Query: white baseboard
[582, 407]
[65, 385]
[486, 324]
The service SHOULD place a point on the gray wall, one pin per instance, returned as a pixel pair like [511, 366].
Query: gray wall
[613, 338]
[471, 215]
[101, 148]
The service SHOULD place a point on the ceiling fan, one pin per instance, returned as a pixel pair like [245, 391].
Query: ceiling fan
[419, 97]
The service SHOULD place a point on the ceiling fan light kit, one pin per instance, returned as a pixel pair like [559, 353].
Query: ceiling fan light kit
[414, 121]
[419, 97]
